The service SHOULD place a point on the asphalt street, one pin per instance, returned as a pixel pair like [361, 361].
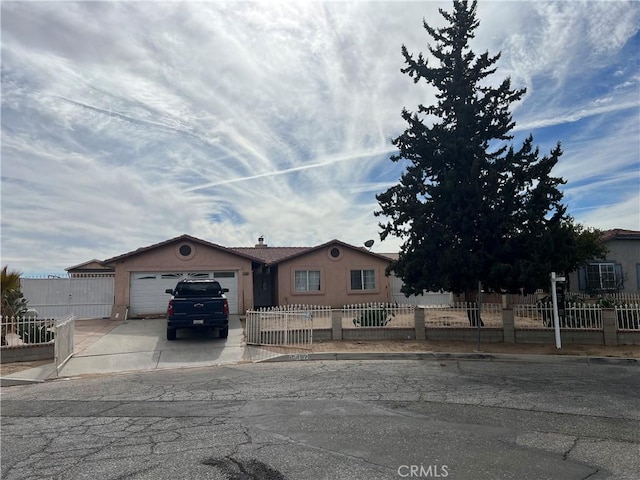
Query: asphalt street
[330, 420]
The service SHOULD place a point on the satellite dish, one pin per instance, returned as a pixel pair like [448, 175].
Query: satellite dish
[368, 243]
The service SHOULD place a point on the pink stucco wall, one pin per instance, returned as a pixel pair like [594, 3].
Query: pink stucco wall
[335, 280]
[166, 258]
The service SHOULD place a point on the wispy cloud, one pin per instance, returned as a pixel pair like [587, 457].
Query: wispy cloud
[323, 163]
[123, 125]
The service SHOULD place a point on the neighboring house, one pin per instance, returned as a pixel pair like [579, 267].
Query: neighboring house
[618, 272]
[334, 273]
[92, 267]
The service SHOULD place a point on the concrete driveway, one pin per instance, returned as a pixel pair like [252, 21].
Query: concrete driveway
[142, 345]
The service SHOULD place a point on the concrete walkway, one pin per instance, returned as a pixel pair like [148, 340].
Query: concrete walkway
[107, 346]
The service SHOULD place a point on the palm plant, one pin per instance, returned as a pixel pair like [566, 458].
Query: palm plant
[13, 302]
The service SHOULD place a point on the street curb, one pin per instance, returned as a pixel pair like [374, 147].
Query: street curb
[12, 382]
[614, 361]
[33, 375]
[43, 374]
[441, 356]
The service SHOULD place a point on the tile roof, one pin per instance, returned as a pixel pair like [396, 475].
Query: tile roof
[271, 255]
[620, 233]
[91, 265]
[259, 254]
[176, 239]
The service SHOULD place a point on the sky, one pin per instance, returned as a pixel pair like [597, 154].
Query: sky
[125, 124]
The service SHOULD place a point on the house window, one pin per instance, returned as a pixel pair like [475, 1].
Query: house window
[307, 280]
[224, 274]
[198, 275]
[363, 280]
[145, 277]
[601, 277]
[171, 276]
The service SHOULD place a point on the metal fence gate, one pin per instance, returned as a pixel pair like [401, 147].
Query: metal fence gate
[64, 343]
[285, 329]
[82, 297]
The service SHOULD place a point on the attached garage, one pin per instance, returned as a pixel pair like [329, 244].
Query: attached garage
[143, 275]
[147, 291]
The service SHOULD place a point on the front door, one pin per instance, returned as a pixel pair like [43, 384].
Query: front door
[263, 285]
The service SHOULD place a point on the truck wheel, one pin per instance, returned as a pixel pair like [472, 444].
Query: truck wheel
[171, 333]
[224, 332]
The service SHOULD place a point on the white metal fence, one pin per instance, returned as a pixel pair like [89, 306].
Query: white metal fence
[279, 328]
[368, 315]
[464, 315]
[64, 341]
[533, 316]
[575, 315]
[83, 297]
[27, 330]
[622, 297]
[321, 313]
[628, 316]
[581, 315]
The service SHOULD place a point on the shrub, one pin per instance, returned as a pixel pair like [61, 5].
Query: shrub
[373, 317]
[35, 332]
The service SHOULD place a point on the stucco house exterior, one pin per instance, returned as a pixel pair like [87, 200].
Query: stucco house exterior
[619, 272]
[333, 273]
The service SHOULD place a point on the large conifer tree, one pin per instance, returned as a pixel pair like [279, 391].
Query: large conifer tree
[470, 207]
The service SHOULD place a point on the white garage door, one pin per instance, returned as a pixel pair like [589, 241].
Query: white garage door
[147, 295]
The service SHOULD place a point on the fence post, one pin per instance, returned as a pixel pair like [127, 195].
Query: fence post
[609, 327]
[336, 324]
[418, 319]
[508, 327]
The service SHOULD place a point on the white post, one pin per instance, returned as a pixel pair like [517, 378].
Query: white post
[556, 319]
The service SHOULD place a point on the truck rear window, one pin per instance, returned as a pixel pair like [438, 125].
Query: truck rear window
[210, 289]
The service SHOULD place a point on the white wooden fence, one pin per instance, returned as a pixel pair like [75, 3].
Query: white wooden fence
[83, 297]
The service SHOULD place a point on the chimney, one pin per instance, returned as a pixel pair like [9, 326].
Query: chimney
[261, 243]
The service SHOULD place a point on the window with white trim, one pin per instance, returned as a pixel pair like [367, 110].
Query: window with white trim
[601, 277]
[363, 279]
[307, 280]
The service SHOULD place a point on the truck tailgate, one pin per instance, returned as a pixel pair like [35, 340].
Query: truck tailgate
[195, 308]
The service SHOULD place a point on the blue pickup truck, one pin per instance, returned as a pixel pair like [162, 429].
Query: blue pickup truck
[198, 304]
